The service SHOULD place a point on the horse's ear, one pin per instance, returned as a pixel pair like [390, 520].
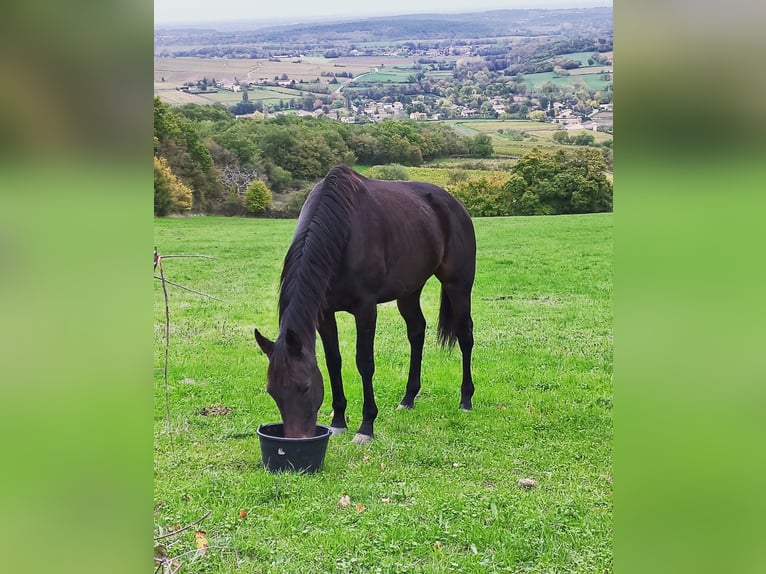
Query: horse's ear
[266, 346]
[294, 346]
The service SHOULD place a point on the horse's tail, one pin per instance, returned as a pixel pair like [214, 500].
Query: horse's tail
[447, 330]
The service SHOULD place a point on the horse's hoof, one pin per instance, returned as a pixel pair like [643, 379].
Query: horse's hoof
[337, 430]
[403, 406]
[360, 438]
[466, 408]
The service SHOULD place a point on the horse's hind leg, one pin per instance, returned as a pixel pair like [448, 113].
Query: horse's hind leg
[409, 307]
[328, 331]
[462, 325]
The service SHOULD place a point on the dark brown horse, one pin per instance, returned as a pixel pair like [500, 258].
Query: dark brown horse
[360, 242]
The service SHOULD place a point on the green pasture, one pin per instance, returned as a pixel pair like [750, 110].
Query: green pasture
[227, 97]
[443, 176]
[517, 137]
[436, 491]
[439, 74]
[393, 75]
[592, 81]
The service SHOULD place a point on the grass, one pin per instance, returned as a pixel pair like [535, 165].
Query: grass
[440, 176]
[517, 137]
[593, 81]
[387, 75]
[542, 409]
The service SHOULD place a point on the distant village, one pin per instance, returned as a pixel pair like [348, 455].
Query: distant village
[339, 109]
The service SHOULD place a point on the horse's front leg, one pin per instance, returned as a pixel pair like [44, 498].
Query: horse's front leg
[366, 317]
[409, 307]
[328, 331]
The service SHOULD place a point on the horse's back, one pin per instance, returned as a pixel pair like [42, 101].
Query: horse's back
[397, 234]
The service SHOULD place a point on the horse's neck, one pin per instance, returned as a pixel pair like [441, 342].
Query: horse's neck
[301, 315]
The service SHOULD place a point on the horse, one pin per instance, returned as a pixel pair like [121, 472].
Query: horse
[360, 242]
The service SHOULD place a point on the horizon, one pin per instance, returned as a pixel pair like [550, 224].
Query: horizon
[301, 11]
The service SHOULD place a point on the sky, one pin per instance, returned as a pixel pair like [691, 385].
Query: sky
[293, 11]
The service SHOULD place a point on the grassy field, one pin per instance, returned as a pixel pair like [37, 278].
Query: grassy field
[386, 75]
[517, 137]
[590, 76]
[176, 71]
[436, 491]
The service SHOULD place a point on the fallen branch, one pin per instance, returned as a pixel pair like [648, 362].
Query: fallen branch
[169, 534]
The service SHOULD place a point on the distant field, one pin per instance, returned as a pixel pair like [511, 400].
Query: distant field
[440, 172]
[439, 74]
[590, 76]
[387, 75]
[177, 71]
[441, 176]
[517, 137]
[170, 95]
[369, 62]
[223, 69]
[227, 97]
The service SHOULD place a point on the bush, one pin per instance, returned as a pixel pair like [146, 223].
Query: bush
[257, 198]
[456, 176]
[481, 146]
[392, 171]
[484, 196]
[584, 139]
[232, 205]
[561, 137]
[559, 182]
[279, 178]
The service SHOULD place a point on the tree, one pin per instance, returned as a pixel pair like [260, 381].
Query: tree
[392, 171]
[583, 139]
[484, 196]
[237, 179]
[481, 146]
[177, 139]
[279, 179]
[170, 193]
[561, 137]
[257, 198]
[559, 182]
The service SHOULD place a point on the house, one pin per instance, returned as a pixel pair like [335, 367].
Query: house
[420, 116]
[467, 113]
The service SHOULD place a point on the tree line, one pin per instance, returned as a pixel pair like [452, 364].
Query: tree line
[541, 183]
[206, 161]
[207, 150]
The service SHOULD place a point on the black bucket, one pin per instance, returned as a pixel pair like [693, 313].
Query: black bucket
[293, 454]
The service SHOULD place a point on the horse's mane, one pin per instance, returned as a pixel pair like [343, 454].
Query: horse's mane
[315, 253]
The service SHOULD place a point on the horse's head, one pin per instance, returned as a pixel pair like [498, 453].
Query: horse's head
[294, 382]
